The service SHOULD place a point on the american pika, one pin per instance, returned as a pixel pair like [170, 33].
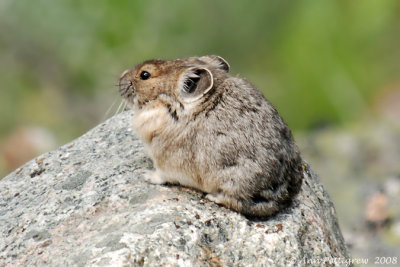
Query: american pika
[206, 129]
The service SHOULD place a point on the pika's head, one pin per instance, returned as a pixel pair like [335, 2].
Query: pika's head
[181, 81]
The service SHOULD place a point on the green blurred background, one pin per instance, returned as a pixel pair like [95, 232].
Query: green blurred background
[321, 63]
[317, 61]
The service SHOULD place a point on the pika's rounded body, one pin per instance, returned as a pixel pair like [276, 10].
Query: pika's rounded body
[208, 130]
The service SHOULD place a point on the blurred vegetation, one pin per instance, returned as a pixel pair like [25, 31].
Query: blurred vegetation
[318, 62]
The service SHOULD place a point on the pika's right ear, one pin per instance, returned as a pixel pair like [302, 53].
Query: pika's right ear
[217, 62]
[194, 83]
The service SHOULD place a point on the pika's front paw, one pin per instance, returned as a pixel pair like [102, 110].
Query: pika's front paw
[153, 177]
[216, 197]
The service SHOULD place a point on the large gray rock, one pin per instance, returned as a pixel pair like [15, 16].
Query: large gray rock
[86, 204]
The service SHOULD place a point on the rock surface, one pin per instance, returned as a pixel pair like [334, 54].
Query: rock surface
[86, 204]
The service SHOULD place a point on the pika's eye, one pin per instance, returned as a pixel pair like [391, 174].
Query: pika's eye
[144, 75]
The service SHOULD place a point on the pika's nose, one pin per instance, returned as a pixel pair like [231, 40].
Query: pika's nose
[125, 85]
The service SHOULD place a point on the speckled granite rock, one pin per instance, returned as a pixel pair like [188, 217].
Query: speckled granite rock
[86, 204]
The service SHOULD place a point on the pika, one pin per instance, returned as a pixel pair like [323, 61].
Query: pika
[208, 130]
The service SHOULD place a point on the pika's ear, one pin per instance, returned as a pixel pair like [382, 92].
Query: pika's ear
[216, 61]
[194, 83]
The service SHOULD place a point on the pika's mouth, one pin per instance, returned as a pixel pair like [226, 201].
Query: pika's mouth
[128, 92]
[127, 89]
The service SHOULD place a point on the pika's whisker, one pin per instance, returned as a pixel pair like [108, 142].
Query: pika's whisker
[107, 113]
[125, 104]
[119, 107]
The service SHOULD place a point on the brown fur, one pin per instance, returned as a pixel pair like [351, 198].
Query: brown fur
[214, 132]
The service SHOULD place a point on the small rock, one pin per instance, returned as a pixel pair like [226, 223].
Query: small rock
[376, 212]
